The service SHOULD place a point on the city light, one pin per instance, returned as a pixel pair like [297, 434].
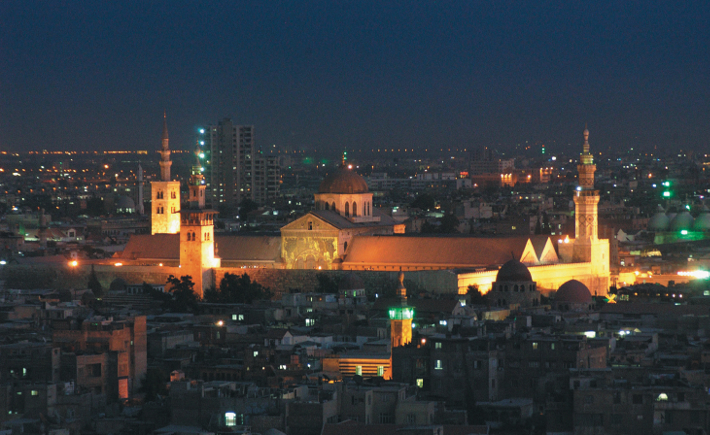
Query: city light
[202, 131]
[73, 263]
[699, 274]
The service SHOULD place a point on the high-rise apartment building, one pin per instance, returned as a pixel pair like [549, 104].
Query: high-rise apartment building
[235, 169]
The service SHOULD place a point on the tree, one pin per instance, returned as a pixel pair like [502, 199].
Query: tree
[475, 294]
[154, 383]
[449, 224]
[326, 284]
[94, 284]
[245, 207]
[94, 206]
[424, 201]
[184, 299]
[235, 289]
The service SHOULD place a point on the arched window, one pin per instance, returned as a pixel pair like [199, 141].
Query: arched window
[333, 207]
[345, 247]
[354, 209]
[327, 206]
[347, 209]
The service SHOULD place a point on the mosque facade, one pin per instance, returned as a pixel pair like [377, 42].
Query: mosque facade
[346, 232]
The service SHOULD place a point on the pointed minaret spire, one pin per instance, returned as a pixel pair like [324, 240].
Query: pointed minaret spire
[165, 162]
[165, 129]
[585, 146]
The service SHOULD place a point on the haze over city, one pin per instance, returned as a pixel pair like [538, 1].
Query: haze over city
[310, 75]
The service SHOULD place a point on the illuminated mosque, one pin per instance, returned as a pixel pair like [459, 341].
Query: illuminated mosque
[346, 231]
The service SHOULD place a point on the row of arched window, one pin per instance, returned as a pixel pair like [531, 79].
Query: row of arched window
[191, 236]
[365, 212]
[516, 288]
[160, 194]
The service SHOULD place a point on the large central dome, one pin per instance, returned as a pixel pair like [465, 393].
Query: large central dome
[343, 180]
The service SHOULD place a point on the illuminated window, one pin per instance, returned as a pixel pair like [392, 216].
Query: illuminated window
[256, 353]
[420, 383]
[534, 345]
[34, 392]
[380, 370]
[438, 365]
[358, 370]
[230, 419]
[437, 345]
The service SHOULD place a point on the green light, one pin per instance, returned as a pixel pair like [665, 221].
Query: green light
[202, 155]
[687, 207]
[667, 183]
[404, 313]
[667, 194]
[684, 232]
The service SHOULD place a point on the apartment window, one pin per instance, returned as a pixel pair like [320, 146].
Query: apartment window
[34, 392]
[380, 370]
[358, 370]
[386, 418]
[534, 345]
[256, 353]
[230, 419]
[437, 345]
[552, 346]
[420, 383]
[411, 418]
[438, 365]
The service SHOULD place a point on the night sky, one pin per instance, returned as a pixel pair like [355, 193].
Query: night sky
[330, 74]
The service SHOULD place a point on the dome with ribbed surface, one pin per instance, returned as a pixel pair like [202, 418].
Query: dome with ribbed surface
[343, 180]
[573, 292]
[513, 271]
[702, 222]
[659, 222]
[682, 221]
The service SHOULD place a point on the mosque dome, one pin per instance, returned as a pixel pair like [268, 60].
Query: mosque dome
[573, 292]
[125, 204]
[351, 282]
[702, 222]
[659, 222]
[343, 180]
[513, 271]
[682, 221]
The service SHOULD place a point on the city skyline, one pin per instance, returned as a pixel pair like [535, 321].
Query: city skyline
[357, 75]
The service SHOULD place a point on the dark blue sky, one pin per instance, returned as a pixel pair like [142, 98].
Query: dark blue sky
[328, 74]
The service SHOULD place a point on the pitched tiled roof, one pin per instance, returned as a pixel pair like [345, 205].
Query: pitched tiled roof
[152, 247]
[232, 247]
[451, 251]
[341, 222]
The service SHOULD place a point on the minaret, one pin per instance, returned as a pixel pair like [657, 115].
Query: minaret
[165, 194]
[586, 198]
[139, 200]
[197, 253]
[165, 162]
[401, 317]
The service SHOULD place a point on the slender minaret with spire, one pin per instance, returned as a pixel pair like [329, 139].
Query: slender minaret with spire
[197, 244]
[139, 200]
[586, 247]
[165, 162]
[165, 194]
[586, 198]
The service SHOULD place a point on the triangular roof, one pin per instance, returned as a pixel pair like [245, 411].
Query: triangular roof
[438, 251]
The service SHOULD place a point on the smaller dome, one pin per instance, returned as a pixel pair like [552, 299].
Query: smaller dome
[125, 203]
[573, 292]
[702, 222]
[682, 221]
[118, 284]
[659, 222]
[513, 271]
[351, 282]
[343, 180]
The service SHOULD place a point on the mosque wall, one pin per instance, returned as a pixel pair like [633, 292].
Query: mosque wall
[548, 278]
